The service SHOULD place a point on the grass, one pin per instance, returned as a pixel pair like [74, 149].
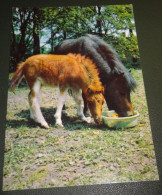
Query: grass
[79, 153]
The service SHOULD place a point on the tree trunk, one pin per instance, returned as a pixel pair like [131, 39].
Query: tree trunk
[99, 24]
[36, 44]
[52, 34]
[24, 22]
[13, 44]
[130, 32]
[64, 33]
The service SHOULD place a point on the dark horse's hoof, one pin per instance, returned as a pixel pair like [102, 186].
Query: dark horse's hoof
[87, 114]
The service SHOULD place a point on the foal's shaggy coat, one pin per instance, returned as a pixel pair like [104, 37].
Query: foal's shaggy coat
[63, 71]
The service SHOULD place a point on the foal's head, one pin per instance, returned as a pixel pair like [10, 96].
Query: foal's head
[95, 99]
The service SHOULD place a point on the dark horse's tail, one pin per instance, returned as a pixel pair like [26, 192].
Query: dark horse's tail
[102, 54]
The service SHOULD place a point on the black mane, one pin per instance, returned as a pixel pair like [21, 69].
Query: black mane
[102, 54]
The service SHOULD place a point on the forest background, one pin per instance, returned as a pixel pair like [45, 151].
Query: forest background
[40, 30]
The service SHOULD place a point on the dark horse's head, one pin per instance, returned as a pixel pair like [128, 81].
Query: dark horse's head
[117, 94]
[116, 79]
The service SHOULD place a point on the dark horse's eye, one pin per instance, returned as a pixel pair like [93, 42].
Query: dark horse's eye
[122, 93]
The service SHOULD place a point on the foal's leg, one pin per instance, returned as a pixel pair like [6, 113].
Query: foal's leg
[61, 101]
[77, 95]
[34, 103]
[85, 110]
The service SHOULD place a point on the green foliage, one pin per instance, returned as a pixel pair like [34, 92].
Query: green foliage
[127, 49]
[115, 24]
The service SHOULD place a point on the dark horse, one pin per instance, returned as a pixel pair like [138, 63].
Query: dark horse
[116, 79]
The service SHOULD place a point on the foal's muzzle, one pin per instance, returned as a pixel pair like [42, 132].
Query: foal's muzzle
[98, 120]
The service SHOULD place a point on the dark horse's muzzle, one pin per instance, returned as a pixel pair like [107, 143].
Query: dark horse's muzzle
[126, 114]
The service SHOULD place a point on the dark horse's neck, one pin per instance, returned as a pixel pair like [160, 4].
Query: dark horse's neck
[101, 53]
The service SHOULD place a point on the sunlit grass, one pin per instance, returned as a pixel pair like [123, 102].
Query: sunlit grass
[79, 153]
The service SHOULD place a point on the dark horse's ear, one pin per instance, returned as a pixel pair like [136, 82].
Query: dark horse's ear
[118, 74]
[122, 74]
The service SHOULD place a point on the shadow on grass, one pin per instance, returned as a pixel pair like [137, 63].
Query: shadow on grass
[71, 123]
[21, 123]
[25, 120]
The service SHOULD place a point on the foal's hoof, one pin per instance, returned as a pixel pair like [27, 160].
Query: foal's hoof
[87, 114]
[88, 119]
[45, 125]
[59, 125]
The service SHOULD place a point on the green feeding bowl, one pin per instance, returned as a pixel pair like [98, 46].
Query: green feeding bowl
[119, 122]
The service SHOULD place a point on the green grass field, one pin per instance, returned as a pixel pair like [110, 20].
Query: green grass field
[79, 153]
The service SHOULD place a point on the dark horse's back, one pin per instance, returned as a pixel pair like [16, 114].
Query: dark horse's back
[86, 46]
[113, 73]
[102, 54]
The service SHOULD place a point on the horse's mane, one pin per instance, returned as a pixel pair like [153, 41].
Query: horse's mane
[102, 54]
[90, 69]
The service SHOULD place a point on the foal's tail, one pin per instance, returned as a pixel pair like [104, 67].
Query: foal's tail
[17, 76]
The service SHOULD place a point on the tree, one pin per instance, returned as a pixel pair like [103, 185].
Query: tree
[20, 35]
[24, 15]
[36, 43]
[31, 27]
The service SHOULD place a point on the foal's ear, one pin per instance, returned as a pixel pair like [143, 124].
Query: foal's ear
[90, 91]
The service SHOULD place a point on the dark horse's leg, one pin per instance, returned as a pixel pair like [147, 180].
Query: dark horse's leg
[85, 109]
[64, 109]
